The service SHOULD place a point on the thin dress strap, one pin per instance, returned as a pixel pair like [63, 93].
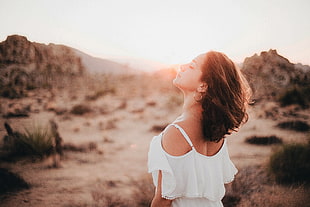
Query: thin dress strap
[184, 134]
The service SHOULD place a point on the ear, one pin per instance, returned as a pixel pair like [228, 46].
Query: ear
[202, 88]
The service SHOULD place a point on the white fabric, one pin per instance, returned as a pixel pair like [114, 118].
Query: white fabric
[184, 134]
[192, 179]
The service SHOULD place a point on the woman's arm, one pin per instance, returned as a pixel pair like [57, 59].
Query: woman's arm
[158, 201]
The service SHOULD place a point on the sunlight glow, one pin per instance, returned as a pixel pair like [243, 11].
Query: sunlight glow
[173, 31]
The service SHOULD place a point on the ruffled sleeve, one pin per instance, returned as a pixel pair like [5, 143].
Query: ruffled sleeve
[158, 161]
[229, 170]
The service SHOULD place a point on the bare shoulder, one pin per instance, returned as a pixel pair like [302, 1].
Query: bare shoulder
[174, 142]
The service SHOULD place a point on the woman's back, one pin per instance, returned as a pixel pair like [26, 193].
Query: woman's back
[192, 178]
[174, 143]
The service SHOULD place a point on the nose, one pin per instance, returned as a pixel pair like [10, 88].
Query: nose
[182, 68]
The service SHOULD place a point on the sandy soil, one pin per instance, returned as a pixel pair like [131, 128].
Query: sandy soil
[121, 127]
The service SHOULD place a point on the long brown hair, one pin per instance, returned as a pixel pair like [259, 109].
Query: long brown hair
[225, 101]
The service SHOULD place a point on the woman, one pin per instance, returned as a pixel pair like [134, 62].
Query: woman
[189, 160]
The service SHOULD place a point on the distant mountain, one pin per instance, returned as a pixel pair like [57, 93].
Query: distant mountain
[17, 51]
[270, 73]
[100, 65]
[140, 64]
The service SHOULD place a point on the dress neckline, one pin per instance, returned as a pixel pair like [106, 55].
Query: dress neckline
[192, 151]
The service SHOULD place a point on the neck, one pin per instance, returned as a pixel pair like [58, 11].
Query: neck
[191, 108]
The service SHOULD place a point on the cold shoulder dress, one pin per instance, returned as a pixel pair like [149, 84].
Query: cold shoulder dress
[192, 179]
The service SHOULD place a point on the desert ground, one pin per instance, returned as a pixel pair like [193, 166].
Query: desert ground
[107, 162]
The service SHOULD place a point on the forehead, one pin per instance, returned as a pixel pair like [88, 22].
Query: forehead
[199, 59]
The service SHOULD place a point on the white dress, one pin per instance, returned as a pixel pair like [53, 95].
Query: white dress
[193, 179]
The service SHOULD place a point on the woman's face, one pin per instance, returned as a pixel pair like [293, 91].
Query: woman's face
[189, 75]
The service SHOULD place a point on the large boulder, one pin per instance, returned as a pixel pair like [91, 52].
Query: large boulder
[270, 73]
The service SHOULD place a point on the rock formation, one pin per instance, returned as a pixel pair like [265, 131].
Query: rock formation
[269, 73]
[17, 51]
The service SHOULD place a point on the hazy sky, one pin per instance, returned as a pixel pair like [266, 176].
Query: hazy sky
[169, 31]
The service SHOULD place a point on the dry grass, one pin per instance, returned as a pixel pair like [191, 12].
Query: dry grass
[106, 194]
[256, 188]
[278, 196]
[144, 191]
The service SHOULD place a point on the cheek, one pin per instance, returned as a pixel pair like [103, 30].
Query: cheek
[193, 78]
[188, 82]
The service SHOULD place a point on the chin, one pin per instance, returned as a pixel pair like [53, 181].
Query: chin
[175, 82]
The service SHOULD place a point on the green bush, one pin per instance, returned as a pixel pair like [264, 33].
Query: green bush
[35, 141]
[297, 95]
[291, 164]
[300, 126]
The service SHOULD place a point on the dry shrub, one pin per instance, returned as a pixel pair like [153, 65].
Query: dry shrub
[10, 182]
[107, 140]
[158, 128]
[300, 126]
[291, 163]
[109, 200]
[151, 103]
[80, 109]
[123, 105]
[248, 180]
[264, 140]
[18, 110]
[137, 110]
[12, 92]
[110, 124]
[73, 204]
[60, 111]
